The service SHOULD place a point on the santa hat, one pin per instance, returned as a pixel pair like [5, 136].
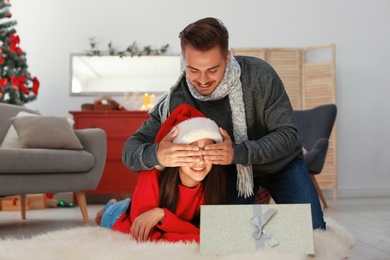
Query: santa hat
[193, 125]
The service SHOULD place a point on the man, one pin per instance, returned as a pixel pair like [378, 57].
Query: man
[247, 99]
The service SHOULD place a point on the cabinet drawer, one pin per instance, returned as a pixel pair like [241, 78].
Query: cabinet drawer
[115, 148]
[113, 126]
[117, 179]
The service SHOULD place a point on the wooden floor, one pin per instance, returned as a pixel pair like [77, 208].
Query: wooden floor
[368, 220]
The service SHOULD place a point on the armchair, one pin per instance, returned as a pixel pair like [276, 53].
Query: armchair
[48, 170]
[315, 126]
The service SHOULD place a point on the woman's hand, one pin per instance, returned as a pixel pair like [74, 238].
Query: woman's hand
[144, 223]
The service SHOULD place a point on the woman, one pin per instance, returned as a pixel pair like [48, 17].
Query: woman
[166, 202]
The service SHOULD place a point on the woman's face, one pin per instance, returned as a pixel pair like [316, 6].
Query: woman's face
[190, 176]
[204, 69]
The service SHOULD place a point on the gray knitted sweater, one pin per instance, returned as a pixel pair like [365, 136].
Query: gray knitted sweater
[273, 140]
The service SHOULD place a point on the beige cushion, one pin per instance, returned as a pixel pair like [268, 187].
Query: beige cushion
[45, 132]
[11, 139]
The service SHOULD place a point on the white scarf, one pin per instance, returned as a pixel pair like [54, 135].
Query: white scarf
[229, 85]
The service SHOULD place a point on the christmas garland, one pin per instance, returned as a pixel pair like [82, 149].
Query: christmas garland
[132, 50]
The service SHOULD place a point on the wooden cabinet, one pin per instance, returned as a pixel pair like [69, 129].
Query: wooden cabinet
[119, 126]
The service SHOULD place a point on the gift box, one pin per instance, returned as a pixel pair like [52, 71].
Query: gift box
[33, 201]
[246, 228]
[12, 203]
[37, 201]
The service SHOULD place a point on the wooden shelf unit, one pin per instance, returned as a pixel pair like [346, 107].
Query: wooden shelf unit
[119, 126]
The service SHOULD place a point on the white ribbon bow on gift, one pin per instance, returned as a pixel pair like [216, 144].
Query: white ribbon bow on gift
[261, 232]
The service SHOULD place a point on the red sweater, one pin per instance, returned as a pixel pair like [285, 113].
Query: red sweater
[176, 226]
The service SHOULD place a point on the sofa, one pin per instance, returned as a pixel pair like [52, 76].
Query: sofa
[30, 167]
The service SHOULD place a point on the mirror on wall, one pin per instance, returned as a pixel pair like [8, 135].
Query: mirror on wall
[106, 74]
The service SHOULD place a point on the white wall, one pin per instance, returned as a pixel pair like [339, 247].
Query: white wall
[51, 29]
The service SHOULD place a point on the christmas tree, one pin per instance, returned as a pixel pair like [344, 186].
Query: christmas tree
[17, 86]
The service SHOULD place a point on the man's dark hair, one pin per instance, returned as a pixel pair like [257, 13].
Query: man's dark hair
[205, 34]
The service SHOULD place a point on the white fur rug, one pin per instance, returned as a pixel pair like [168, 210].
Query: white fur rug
[93, 242]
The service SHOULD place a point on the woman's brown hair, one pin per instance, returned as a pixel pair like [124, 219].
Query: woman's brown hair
[213, 185]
